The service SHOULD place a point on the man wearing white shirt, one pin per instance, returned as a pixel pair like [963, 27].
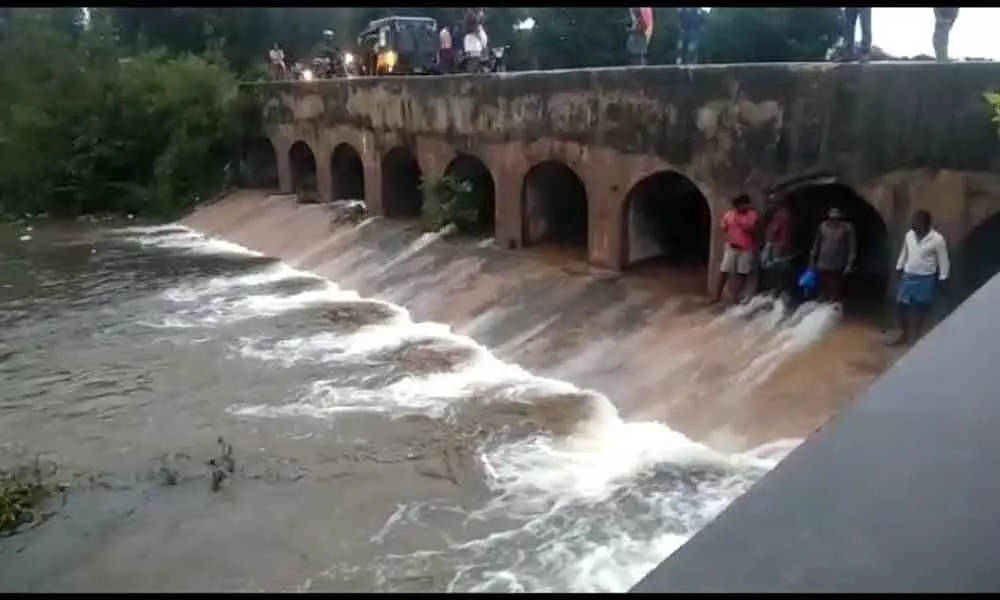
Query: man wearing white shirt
[924, 267]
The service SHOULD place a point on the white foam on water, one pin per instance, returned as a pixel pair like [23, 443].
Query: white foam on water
[593, 510]
[188, 240]
[152, 229]
[270, 274]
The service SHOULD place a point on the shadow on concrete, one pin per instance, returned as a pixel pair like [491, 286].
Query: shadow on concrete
[348, 173]
[259, 165]
[555, 206]
[977, 258]
[303, 164]
[667, 220]
[401, 182]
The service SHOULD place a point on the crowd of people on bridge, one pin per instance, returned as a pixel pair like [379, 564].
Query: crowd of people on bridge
[764, 246]
[463, 47]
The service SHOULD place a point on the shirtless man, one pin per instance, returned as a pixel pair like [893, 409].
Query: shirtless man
[833, 254]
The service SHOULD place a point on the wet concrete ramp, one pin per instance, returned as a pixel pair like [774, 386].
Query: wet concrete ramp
[897, 494]
[644, 340]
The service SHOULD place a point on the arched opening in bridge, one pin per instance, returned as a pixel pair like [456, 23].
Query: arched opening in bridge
[668, 222]
[259, 165]
[808, 204]
[554, 202]
[348, 173]
[977, 259]
[402, 196]
[482, 196]
[303, 165]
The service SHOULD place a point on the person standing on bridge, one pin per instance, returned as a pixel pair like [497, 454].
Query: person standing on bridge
[853, 14]
[833, 254]
[639, 32]
[739, 225]
[944, 19]
[276, 62]
[924, 267]
[690, 20]
[446, 54]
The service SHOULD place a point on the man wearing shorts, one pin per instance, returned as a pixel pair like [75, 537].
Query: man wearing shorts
[924, 266]
[738, 225]
[833, 254]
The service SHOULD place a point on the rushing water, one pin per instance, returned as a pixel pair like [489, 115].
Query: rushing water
[372, 452]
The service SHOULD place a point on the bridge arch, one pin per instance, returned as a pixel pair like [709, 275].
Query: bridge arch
[977, 258]
[402, 178]
[303, 166]
[554, 206]
[259, 164]
[808, 203]
[348, 173]
[666, 218]
[469, 168]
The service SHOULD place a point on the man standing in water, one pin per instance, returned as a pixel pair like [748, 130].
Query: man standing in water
[738, 224]
[833, 254]
[924, 266]
[777, 276]
[944, 18]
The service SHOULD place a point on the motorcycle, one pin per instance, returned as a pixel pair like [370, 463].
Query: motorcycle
[496, 61]
[350, 65]
[322, 68]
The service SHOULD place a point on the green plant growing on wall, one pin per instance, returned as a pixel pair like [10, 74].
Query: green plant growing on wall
[993, 98]
[450, 201]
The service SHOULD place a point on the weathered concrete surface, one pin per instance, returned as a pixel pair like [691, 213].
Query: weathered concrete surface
[904, 135]
[898, 494]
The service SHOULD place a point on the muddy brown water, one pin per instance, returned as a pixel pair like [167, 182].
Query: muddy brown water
[375, 448]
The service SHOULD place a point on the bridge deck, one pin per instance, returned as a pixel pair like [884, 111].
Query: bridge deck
[900, 493]
[802, 66]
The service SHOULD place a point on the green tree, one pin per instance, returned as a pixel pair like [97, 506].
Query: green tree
[85, 128]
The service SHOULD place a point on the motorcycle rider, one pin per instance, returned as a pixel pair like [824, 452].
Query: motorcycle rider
[328, 52]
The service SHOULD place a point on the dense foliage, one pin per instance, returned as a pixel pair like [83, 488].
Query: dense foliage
[134, 109]
[450, 201]
[84, 129]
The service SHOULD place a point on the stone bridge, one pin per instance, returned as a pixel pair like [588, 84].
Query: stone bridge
[635, 164]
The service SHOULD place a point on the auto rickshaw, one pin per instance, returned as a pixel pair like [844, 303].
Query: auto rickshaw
[399, 46]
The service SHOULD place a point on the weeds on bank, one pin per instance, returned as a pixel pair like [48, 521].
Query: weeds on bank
[993, 98]
[449, 201]
[24, 493]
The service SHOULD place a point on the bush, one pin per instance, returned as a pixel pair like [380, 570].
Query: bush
[450, 201]
[84, 129]
[993, 98]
